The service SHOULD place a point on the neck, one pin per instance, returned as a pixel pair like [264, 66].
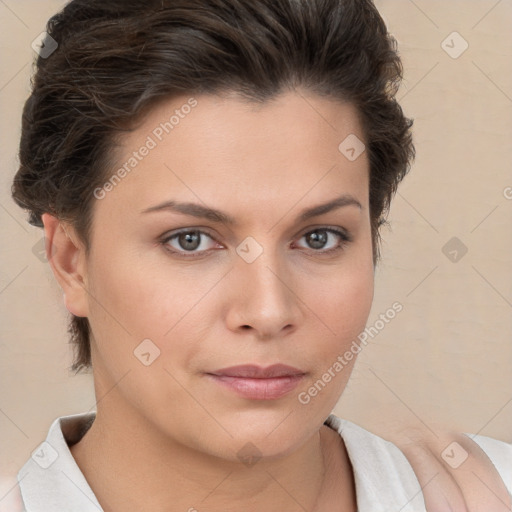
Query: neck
[129, 465]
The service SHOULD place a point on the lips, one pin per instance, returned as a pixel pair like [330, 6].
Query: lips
[256, 383]
[252, 371]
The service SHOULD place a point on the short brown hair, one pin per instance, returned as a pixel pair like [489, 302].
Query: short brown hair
[116, 58]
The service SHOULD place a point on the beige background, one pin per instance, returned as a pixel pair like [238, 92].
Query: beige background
[447, 357]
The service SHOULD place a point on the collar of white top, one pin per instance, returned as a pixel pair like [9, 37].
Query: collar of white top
[52, 481]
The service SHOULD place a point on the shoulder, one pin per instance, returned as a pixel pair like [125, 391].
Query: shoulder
[436, 470]
[44, 480]
[458, 471]
[383, 476]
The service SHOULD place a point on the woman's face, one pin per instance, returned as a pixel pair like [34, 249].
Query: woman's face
[169, 311]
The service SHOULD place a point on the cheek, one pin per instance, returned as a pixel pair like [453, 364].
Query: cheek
[345, 299]
[346, 313]
[343, 309]
[133, 299]
[124, 298]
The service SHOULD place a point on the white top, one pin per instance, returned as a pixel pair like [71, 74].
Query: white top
[51, 481]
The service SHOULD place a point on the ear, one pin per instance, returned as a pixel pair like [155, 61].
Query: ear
[66, 255]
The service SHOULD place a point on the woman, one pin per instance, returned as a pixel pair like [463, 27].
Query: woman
[211, 178]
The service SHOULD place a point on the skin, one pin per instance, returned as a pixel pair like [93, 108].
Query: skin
[474, 486]
[166, 437]
[167, 424]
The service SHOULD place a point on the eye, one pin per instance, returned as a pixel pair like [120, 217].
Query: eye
[318, 239]
[189, 241]
[193, 243]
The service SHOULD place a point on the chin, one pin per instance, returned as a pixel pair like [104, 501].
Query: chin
[270, 434]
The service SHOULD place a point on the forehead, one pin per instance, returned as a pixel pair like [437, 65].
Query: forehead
[220, 149]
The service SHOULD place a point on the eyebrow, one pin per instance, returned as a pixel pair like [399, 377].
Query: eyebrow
[213, 215]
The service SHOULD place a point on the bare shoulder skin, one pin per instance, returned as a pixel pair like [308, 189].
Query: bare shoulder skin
[469, 484]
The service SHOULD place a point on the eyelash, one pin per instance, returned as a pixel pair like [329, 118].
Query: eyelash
[344, 236]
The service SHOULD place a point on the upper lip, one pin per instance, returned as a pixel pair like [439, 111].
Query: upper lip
[257, 372]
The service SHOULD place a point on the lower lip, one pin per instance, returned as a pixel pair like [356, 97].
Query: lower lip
[259, 389]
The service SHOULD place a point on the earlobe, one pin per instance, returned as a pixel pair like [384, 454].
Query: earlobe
[66, 255]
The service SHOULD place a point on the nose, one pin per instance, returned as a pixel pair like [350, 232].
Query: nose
[263, 299]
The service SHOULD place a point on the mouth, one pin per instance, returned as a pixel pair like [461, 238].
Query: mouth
[256, 383]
